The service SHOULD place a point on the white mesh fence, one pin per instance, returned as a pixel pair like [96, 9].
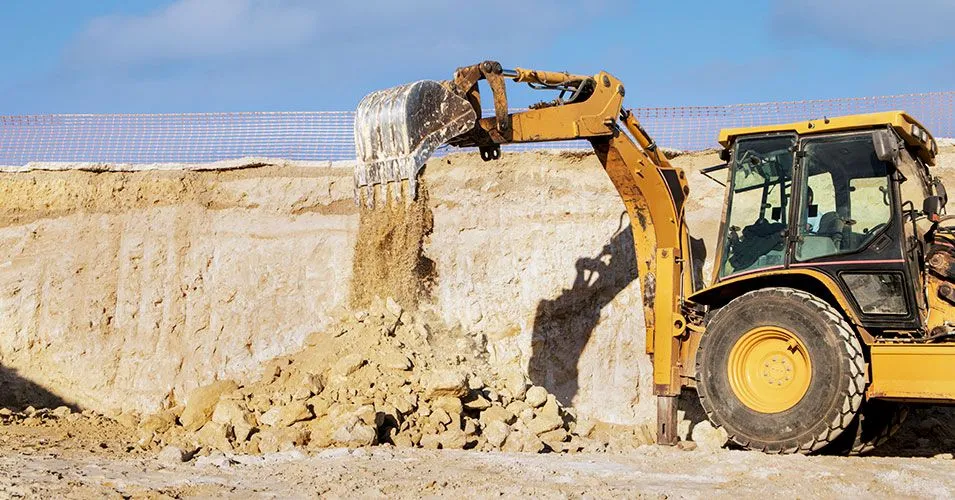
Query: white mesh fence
[327, 135]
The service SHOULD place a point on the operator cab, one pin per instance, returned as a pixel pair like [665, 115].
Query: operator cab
[842, 198]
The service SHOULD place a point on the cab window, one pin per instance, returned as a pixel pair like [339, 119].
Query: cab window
[760, 182]
[846, 198]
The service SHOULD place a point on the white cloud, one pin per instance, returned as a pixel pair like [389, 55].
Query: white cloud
[867, 24]
[190, 29]
[309, 54]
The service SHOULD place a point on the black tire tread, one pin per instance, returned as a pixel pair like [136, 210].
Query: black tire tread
[896, 420]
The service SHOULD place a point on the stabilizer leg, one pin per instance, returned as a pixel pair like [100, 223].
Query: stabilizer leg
[666, 421]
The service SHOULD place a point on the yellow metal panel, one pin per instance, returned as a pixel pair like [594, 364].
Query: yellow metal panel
[923, 372]
[703, 296]
[900, 120]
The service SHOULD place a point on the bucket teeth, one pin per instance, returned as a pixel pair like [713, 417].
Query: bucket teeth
[398, 129]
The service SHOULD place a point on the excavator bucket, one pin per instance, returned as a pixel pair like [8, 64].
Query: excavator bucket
[397, 130]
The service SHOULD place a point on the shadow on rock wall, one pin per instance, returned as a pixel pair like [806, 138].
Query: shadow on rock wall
[17, 393]
[563, 326]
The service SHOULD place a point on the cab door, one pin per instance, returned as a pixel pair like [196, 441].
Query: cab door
[848, 225]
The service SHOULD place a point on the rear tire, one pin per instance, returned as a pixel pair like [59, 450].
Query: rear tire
[781, 371]
[876, 422]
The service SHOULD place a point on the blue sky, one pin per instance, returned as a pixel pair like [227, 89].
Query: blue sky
[67, 56]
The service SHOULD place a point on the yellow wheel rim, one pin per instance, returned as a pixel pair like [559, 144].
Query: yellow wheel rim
[769, 369]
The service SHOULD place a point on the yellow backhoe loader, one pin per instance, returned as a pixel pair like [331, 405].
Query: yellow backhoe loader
[833, 294]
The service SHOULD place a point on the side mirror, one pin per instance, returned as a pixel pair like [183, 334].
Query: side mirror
[940, 191]
[931, 207]
[725, 155]
[886, 145]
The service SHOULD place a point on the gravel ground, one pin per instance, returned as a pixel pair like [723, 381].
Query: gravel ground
[648, 471]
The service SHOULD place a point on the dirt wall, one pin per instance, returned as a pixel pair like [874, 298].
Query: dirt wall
[119, 290]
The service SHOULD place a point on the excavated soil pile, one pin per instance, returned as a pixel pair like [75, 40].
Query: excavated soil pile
[381, 375]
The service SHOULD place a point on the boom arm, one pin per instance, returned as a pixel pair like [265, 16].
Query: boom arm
[652, 190]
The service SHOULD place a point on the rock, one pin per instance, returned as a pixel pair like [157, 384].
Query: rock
[449, 404]
[395, 361]
[470, 426]
[707, 437]
[201, 403]
[531, 444]
[280, 439]
[215, 436]
[686, 445]
[405, 403]
[304, 385]
[477, 403]
[430, 442]
[446, 383]
[547, 418]
[231, 412]
[393, 307]
[403, 440]
[453, 439]
[271, 417]
[536, 396]
[497, 413]
[944, 456]
[296, 411]
[235, 414]
[345, 367]
[518, 406]
[555, 439]
[5, 412]
[128, 420]
[515, 383]
[173, 455]
[61, 411]
[542, 423]
[366, 415]
[441, 416]
[522, 441]
[158, 423]
[475, 383]
[358, 435]
[584, 427]
[550, 409]
[496, 432]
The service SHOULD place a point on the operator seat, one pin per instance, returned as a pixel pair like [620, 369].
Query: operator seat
[826, 240]
[832, 225]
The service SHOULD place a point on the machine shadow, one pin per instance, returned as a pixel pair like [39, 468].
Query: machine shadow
[563, 326]
[927, 432]
[17, 393]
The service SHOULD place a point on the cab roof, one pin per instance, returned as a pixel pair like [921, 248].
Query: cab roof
[912, 132]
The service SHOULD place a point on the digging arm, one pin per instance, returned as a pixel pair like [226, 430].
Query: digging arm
[653, 191]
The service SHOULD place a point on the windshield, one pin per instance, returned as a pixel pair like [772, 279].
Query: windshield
[759, 197]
